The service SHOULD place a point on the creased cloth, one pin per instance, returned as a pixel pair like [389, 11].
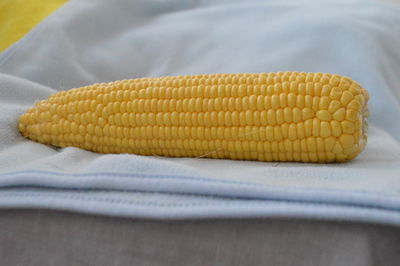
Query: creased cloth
[88, 41]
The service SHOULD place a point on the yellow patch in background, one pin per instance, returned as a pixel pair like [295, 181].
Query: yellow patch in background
[18, 17]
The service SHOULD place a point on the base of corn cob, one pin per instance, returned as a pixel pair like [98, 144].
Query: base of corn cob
[283, 116]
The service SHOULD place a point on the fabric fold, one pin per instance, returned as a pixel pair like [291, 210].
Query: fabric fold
[79, 44]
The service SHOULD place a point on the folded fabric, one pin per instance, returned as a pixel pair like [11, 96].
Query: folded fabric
[98, 41]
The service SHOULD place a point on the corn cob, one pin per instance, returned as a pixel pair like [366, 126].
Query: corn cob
[283, 116]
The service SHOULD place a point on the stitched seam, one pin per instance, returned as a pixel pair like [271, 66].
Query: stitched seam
[128, 175]
[126, 191]
[156, 204]
[200, 195]
[201, 179]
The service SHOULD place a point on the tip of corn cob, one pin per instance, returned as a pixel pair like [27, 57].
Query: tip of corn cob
[284, 116]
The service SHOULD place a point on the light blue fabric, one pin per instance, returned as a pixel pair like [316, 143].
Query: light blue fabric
[96, 41]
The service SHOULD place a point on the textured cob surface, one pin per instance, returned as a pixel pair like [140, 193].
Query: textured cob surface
[283, 116]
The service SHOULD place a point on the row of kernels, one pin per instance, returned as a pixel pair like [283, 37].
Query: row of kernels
[243, 79]
[65, 97]
[304, 150]
[73, 107]
[248, 81]
[82, 118]
[195, 80]
[253, 102]
[280, 156]
[305, 145]
[263, 118]
[311, 127]
[219, 90]
[259, 102]
[159, 90]
[309, 145]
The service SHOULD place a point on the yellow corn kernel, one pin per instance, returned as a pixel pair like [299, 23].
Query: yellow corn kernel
[329, 143]
[348, 127]
[337, 148]
[334, 106]
[351, 115]
[346, 140]
[324, 102]
[308, 127]
[308, 101]
[320, 145]
[287, 113]
[315, 103]
[325, 129]
[307, 113]
[316, 127]
[296, 115]
[292, 131]
[346, 97]
[300, 130]
[292, 98]
[311, 145]
[279, 116]
[285, 116]
[336, 128]
[336, 93]
[340, 114]
[355, 105]
[324, 115]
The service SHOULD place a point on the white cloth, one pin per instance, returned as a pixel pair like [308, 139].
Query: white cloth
[98, 41]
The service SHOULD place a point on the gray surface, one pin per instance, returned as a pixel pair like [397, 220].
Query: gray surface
[36, 237]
